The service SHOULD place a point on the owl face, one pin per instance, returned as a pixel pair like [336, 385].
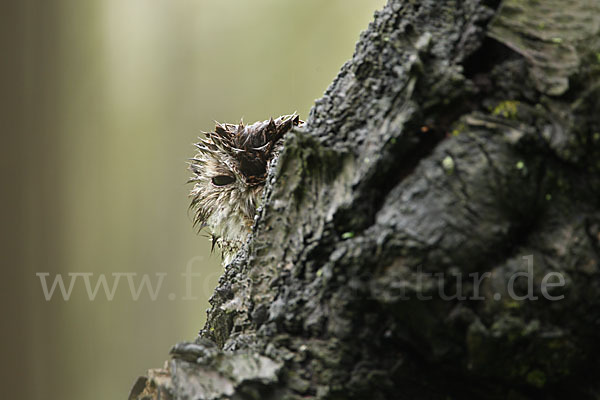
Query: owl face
[229, 173]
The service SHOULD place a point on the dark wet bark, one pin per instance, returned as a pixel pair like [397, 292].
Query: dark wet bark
[460, 144]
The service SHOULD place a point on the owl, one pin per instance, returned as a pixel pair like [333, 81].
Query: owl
[229, 172]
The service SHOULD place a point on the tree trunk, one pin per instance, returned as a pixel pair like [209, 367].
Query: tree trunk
[433, 232]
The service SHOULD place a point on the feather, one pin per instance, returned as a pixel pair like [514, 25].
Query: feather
[240, 151]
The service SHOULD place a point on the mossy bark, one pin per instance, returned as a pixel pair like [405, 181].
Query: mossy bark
[459, 148]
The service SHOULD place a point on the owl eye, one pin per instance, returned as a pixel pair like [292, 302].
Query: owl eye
[222, 180]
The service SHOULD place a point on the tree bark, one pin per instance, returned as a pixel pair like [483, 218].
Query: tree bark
[448, 176]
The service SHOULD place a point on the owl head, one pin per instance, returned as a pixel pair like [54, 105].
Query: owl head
[229, 173]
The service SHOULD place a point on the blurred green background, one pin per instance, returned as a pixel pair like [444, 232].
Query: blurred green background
[100, 102]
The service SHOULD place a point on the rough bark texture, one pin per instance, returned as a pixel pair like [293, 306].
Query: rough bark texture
[462, 137]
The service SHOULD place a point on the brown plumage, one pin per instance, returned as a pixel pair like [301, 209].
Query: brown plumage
[229, 173]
